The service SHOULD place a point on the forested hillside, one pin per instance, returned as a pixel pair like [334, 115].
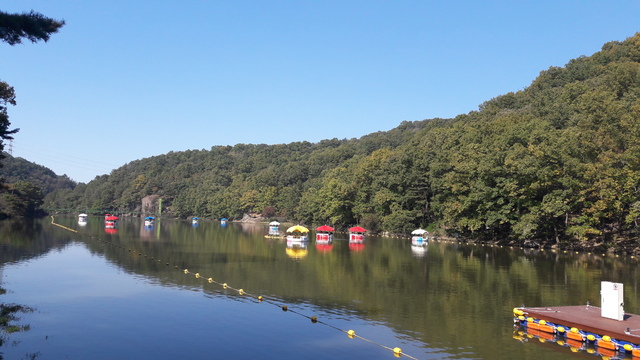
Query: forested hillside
[24, 185]
[227, 181]
[16, 169]
[556, 162]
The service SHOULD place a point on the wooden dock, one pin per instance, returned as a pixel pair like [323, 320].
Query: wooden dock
[588, 318]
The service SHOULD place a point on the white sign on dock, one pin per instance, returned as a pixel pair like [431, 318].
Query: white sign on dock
[612, 294]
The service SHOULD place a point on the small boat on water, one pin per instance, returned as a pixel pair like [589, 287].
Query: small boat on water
[356, 235]
[82, 219]
[274, 229]
[111, 221]
[297, 233]
[324, 234]
[223, 221]
[149, 221]
[194, 221]
[419, 237]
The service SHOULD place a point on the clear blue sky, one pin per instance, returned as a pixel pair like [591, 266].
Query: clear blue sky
[125, 80]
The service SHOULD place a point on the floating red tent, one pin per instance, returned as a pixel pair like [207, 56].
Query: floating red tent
[356, 234]
[324, 234]
[324, 228]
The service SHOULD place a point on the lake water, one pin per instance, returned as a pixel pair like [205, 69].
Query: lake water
[125, 295]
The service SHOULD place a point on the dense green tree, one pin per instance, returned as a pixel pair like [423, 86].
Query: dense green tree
[31, 26]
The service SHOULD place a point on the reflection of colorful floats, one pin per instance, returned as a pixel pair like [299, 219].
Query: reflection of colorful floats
[324, 248]
[297, 250]
[622, 339]
[297, 233]
[82, 219]
[110, 221]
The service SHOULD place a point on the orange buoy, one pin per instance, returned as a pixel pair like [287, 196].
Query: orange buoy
[575, 335]
[606, 343]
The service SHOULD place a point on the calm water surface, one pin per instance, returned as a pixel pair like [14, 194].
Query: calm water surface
[125, 295]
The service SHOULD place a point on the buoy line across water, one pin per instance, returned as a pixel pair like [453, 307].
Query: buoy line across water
[260, 298]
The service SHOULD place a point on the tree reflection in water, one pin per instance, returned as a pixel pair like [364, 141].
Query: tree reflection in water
[8, 319]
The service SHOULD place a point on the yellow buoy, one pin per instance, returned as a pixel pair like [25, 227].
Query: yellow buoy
[397, 350]
[210, 280]
[314, 319]
[224, 286]
[197, 275]
[241, 292]
[351, 333]
[517, 311]
[260, 298]
[186, 271]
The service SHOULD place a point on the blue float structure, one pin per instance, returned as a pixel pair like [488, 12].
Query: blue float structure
[274, 229]
[149, 221]
[607, 329]
[419, 237]
[194, 220]
[223, 221]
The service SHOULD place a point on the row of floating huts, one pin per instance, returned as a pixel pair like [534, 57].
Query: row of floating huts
[324, 234]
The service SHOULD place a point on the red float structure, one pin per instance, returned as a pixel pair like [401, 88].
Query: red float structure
[356, 235]
[324, 235]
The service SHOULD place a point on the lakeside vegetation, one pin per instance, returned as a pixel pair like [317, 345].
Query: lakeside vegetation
[556, 163]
